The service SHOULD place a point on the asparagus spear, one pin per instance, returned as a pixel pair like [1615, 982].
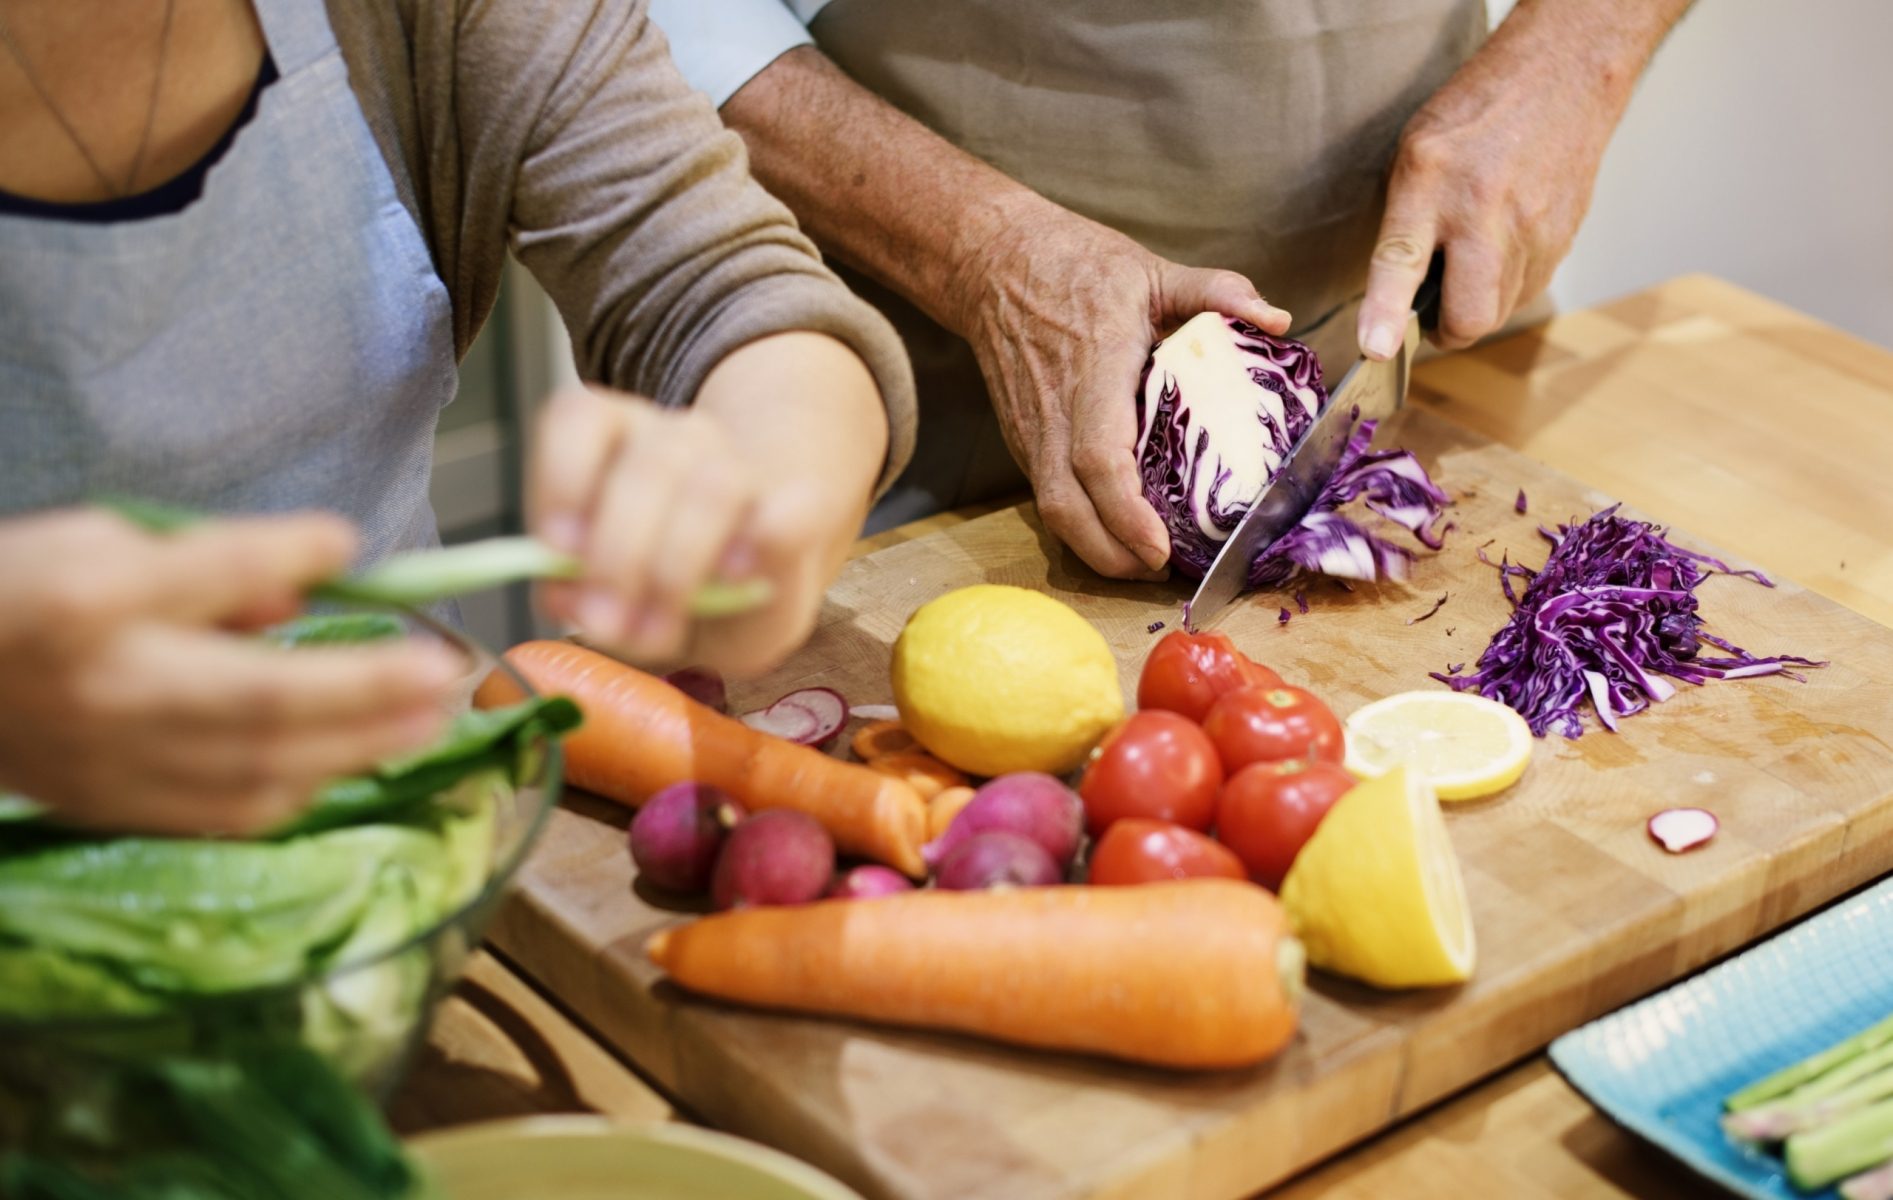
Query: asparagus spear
[1832, 1151]
[425, 576]
[1808, 1069]
[1815, 1104]
[1876, 1184]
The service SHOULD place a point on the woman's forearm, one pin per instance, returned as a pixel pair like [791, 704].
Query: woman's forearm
[802, 394]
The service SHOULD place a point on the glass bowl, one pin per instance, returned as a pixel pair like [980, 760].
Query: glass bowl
[363, 1015]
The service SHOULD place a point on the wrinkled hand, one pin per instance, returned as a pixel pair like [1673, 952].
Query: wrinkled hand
[768, 476]
[127, 701]
[1497, 168]
[1062, 314]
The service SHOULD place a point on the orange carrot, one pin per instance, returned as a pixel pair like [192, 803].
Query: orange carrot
[925, 773]
[882, 739]
[642, 735]
[1201, 973]
[943, 807]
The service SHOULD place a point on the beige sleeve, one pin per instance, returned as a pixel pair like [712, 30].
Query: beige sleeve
[634, 208]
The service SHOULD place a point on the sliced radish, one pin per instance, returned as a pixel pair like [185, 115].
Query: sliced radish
[1680, 829]
[809, 717]
[875, 712]
[702, 685]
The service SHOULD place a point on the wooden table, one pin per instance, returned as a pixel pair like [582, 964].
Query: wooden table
[1777, 449]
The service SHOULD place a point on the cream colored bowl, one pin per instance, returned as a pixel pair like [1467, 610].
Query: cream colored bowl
[590, 1158]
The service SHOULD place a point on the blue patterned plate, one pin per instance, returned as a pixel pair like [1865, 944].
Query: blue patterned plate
[1661, 1067]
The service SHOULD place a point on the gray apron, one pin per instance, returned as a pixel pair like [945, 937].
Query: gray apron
[1252, 135]
[284, 342]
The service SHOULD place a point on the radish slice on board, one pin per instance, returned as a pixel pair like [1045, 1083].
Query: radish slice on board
[1680, 829]
[809, 717]
[702, 685]
[875, 712]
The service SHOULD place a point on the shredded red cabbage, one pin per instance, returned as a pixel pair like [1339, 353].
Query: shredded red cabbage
[1428, 614]
[1393, 484]
[1612, 612]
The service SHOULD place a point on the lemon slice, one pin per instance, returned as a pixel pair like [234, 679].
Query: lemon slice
[1465, 746]
[1376, 893]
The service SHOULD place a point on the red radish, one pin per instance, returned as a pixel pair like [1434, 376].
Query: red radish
[1032, 805]
[702, 685]
[1680, 829]
[998, 859]
[868, 883]
[675, 837]
[810, 717]
[775, 857]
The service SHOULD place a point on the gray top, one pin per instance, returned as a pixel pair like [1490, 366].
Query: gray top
[288, 338]
[560, 128]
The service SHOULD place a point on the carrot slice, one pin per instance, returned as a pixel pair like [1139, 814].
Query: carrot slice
[883, 739]
[943, 807]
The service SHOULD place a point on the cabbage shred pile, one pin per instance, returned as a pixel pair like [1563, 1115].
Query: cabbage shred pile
[1220, 406]
[1611, 613]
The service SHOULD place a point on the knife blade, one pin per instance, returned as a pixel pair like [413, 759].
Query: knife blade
[1368, 391]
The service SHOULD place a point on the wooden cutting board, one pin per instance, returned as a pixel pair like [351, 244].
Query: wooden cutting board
[1576, 910]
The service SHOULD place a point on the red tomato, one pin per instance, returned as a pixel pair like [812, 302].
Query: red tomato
[1138, 851]
[1272, 725]
[1187, 672]
[1268, 811]
[1156, 765]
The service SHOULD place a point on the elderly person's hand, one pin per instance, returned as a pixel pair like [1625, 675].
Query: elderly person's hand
[131, 698]
[1498, 166]
[1061, 314]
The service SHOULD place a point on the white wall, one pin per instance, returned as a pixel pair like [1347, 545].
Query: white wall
[1757, 148]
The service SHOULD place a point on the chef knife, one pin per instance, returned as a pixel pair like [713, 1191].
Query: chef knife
[1368, 391]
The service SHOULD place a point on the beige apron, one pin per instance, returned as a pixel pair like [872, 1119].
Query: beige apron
[1252, 135]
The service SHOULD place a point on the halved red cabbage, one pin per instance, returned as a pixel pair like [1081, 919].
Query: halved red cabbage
[1219, 406]
[1610, 614]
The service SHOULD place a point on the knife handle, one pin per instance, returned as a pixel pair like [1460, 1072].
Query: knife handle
[1426, 297]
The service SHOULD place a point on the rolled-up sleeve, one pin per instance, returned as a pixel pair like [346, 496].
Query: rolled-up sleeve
[720, 45]
[634, 208]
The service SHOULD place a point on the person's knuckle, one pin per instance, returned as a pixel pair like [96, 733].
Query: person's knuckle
[1057, 508]
[1093, 460]
[1425, 152]
[264, 702]
[1402, 250]
[74, 599]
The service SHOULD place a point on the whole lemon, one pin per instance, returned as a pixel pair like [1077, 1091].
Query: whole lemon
[996, 679]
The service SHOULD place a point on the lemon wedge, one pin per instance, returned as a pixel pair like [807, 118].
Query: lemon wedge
[1376, 894]
[1465, 746]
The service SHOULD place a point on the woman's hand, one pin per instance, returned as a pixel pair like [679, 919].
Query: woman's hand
[127, 701]
[767, 476]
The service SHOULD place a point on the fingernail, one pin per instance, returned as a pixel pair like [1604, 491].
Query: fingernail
[1380, 342]
[739, 561]
[563, 531]
[603, 615]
